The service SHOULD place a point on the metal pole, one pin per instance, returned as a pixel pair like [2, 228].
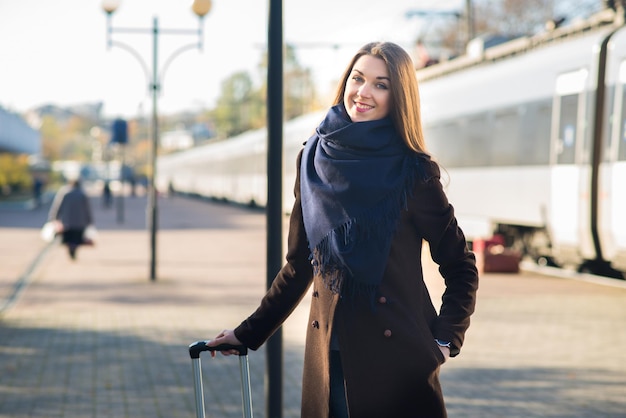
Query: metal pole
[120, 197]
[469, 12]
[274, 353]
[152, 216]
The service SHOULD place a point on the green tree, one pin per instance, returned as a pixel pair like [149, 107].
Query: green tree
[66, 139]
[14, 173]
[51, 138]
[300, 94]
[242, 106]
[237, 107]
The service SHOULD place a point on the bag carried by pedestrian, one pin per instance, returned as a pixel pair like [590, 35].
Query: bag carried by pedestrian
[90, 235]
[50, 230]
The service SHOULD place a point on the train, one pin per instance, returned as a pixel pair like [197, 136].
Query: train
[235, 169]
[530, 135]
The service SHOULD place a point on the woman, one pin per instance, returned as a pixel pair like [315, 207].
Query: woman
[367, 195]
[72, 211]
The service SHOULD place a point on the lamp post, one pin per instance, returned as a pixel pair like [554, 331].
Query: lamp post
[201, 8]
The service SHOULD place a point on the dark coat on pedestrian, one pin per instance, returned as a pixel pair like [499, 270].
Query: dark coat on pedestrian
[71, 207]
[390, 358]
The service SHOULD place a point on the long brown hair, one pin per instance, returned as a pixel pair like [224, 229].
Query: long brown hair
[405, 108]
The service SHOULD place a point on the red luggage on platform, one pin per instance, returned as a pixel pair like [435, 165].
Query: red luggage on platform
[493, 257]
[246, 398]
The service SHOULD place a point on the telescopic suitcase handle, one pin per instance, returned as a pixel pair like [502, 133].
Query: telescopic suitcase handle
[199, 346]
[246, 397]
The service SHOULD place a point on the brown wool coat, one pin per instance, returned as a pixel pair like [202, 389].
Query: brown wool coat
[390, 359]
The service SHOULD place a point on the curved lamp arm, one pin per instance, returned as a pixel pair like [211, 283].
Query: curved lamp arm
[136, 54]
[171, 58]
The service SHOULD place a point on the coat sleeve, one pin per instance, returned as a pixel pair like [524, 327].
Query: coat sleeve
[434, 218]
[88, 211]
[289, 285]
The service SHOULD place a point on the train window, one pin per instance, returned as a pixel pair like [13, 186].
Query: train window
[620, 125]
[566, 150]
[608, 124]
[505, 144]
[444, 142]
[535, 133]
[478, 151]
[586, 136]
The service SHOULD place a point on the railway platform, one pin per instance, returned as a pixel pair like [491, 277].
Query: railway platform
[95, 337]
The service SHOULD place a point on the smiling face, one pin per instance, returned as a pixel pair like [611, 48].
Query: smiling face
[367, 95]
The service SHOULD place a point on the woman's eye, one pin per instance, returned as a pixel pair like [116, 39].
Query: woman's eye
[382, 86]
[357, 78]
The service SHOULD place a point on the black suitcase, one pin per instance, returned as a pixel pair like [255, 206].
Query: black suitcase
[246, 397]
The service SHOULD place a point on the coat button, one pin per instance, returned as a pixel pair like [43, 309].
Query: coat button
[387, 333]
[315, 324]
[382, 299]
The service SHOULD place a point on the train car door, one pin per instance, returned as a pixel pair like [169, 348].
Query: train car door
[569, 188]
[613, 221]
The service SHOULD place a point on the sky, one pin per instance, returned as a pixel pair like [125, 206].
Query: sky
[55, 52]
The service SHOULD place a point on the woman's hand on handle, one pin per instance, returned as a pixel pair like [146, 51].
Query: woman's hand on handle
[225, 337]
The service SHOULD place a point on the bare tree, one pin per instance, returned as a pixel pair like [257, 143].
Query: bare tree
[511, 18]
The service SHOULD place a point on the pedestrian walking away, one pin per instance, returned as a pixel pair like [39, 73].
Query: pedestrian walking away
[107, 196]
[72, 212]
[38, 186]
[367, 196]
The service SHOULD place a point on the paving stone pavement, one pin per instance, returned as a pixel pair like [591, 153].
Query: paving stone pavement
[97, 338]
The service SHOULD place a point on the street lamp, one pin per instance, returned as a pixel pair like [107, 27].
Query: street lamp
[201, 8]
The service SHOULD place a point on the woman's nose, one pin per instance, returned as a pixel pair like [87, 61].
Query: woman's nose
[364, 90]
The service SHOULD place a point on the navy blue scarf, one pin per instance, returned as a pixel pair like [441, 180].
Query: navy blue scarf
[355, 178]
